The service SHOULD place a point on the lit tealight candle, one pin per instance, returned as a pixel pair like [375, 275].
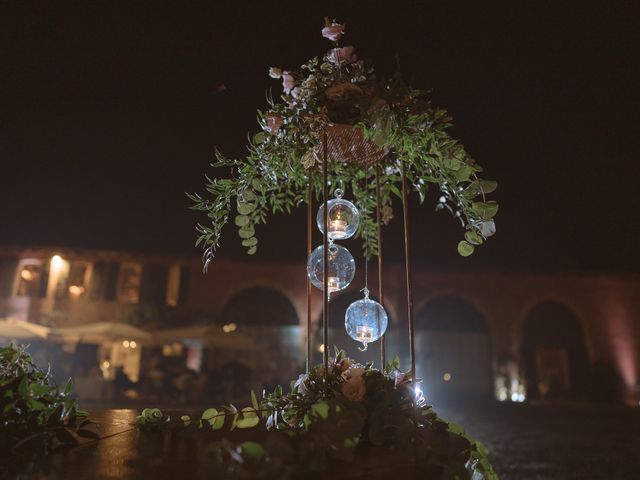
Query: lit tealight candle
[332, 284]
[337, 228]
[364, 333]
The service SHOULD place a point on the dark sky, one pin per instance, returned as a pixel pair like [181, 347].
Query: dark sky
[107, 116]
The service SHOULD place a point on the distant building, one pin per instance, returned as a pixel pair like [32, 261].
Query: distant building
[512, 335]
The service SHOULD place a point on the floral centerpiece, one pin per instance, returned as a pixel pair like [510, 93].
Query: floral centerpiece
[368, 122]
[353, 421]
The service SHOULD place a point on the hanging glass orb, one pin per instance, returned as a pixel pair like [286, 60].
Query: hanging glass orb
[343, 220]
[342, 268]
[365, 321]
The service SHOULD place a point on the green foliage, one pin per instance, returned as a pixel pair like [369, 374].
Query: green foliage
[337, 420]
[285, 157]
[36, 417]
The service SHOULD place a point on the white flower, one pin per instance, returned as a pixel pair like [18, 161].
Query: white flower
[301, 383]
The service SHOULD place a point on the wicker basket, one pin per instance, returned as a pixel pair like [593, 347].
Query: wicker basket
[346, 144]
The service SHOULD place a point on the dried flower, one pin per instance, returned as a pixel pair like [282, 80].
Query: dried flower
[308, 159]
[387, 214]
[353, 387]
[274, 122]
[275, 72]
[333, 32]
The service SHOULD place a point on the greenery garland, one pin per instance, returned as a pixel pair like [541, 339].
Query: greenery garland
[356, 420]
[340, 89]
[36, 417]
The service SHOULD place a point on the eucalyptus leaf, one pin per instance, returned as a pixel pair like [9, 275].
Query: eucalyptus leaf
[473, 237]
[249, 242]
[246, 232]
[465, 249]
[248, 418]
[248, 196]
[486, 210]
[242, 220]
[245, 209]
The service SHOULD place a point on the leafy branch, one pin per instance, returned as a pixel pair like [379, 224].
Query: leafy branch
[285, 157]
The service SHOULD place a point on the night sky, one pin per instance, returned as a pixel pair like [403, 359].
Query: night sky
[109, 113]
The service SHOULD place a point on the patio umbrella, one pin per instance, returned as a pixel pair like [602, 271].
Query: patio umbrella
[210, 336]
[16, 329]
[100, 332]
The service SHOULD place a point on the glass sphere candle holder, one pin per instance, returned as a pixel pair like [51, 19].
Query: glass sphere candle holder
[343, 218]
[365, 321]
[341, 268]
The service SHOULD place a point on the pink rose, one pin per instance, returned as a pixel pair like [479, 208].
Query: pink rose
[342, 55]
[333, 32]
[288, 82]
[274, 122]
[353, 387]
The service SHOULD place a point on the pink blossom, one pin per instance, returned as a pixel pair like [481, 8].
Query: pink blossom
[288, 82]
[333, 32]
[342, 55]
[274, 122]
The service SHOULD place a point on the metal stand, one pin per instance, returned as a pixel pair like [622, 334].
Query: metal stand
[325, 264]
[407, 258]
[383, 359]
[309, 246]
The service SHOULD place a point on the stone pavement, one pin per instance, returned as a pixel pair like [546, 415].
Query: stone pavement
[559, 442]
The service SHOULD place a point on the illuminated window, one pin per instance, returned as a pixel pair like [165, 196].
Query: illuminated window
[29, 280]
[129, 283]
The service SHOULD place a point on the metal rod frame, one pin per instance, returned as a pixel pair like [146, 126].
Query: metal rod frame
[407, 258]
[325, 264]
[309, 247]
[383, 359]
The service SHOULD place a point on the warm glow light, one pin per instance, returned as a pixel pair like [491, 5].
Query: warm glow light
[229, 327]
[76, 290]
[321, 348]
[106, 364]
[446, 377]
[333, 284]
[56, 262]
[26, 275]
[133, 344]
[125, 343]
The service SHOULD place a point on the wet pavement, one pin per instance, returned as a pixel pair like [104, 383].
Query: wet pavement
[559, 442]
[526, 442]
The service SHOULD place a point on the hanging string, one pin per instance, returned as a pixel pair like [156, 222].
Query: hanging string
[365, 290]
[366, 236]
